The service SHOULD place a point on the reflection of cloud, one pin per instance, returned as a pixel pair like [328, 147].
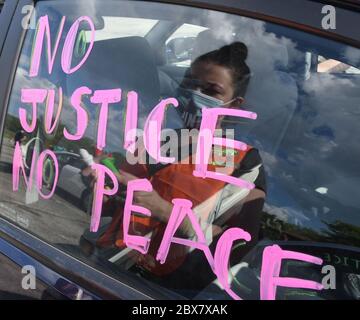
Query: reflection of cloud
[343, 191]
[272, 93]
[222, 27]
[23, 81]
[280, 213]
[321, 146]
[338, 110]
[352, 55]
[116, 126]
[269, 161]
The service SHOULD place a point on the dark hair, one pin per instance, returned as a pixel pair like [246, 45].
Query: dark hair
[19, 135]
[233, 57]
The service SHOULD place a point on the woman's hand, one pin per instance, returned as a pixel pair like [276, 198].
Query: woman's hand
[159, 207]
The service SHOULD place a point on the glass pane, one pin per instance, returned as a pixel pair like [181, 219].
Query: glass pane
[181, 44]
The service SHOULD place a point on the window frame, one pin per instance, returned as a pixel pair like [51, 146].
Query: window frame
[6, 14]
[287, 13]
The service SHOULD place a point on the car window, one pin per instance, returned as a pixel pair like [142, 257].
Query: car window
[168, 208]
[325, 65]
[118, 27]
[180, 45]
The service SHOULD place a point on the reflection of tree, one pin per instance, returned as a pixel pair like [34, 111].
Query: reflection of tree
[58, 139]
[336, 232]
[12, 125]
[271, 226]
[276, 229]
[303, 233]
[343, 233]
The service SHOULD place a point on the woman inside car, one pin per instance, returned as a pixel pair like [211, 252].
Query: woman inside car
[216, 79]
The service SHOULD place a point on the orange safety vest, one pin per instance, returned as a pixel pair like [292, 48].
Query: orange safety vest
[172, 181]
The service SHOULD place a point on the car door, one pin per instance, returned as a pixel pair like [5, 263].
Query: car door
[72, 78]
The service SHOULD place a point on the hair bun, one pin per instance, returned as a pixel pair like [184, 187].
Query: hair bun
[231, 56]
[237, 50]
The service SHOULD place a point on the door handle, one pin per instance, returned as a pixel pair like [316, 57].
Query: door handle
[71, 290]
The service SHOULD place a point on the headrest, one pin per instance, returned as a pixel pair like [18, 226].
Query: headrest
[205, 42]
[126, 63]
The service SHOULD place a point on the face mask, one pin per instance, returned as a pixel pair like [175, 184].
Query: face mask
[198, 100]
[201, 100]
